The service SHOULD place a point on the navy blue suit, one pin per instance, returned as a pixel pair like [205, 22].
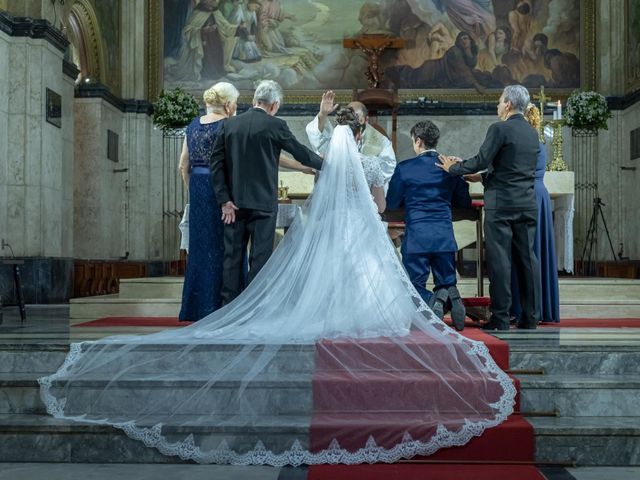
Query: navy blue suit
[427, 194]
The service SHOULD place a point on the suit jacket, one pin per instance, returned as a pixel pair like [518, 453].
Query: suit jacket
[427, 194]
[244, 162]
[509, 154]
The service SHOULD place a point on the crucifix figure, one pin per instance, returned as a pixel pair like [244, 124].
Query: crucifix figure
[542, 98]
[372, 46]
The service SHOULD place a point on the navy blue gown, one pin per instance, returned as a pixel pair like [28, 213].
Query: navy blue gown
[545, 250]
[203, 276]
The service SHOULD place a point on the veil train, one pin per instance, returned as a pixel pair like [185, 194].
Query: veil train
[329, 356]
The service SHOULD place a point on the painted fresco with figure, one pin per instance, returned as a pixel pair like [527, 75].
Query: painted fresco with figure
[449, 44]
[633, 44]
[108, 14]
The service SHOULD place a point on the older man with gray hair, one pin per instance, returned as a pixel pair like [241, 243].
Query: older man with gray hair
[507, 159]
[244, 174]
[372, 143]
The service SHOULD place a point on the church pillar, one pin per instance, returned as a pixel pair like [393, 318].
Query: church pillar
[36, 131]
[610, 35]
[140, 140]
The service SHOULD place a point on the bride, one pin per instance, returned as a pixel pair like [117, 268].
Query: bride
[329, 355]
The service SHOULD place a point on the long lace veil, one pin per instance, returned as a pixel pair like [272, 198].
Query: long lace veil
[329, 356]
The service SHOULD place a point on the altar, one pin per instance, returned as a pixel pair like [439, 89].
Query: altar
[561, 188]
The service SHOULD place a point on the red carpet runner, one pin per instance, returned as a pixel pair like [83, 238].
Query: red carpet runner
[497, 454]
[494, 454]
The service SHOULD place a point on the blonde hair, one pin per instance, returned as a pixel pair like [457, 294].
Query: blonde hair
[532, 114]
[220, 93]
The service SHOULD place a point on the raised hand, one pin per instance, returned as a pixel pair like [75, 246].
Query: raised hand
[326, 104]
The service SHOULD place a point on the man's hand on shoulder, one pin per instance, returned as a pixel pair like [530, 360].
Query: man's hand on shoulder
[446, 162]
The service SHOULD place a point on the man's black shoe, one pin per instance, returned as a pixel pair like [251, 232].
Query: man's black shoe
[439, 299]
[493, 325]
[458, 312]
[526, 326]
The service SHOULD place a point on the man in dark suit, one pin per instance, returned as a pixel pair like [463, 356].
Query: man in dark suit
[244, 173]
[509, 155]
[427, 195]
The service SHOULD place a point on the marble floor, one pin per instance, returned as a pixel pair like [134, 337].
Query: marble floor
[83, 471]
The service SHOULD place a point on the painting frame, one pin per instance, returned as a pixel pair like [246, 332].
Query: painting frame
[154, 46]
[632, 72]
[53, 108]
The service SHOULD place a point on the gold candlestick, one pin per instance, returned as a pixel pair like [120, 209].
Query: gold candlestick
[557, 162]
[543, 101]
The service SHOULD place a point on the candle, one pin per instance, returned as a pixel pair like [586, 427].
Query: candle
[559, 110]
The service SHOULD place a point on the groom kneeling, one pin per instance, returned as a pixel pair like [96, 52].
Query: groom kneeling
[419, 186]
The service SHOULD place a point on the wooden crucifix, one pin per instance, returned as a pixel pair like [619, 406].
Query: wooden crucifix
[372, 46]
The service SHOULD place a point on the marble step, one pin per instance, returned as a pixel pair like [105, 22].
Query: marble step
[90, 308]
[588, 440]
[38, 438]
[36, 358]
[571, 289]
[605, 357]
[41, 438]
[279, 394]
[151, 287]
[581, 395]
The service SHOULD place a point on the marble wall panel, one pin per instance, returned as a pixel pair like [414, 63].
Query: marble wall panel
[630, 179]
[33, 221]
[15, 232]
[18, 66]
[35, 148]
[99, 192]
[5, 42]
[15, 149]
[52, 214]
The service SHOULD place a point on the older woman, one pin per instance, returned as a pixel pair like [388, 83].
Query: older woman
[203, 277]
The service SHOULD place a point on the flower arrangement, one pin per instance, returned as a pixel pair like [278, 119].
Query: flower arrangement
[174, 108]
[587, 110]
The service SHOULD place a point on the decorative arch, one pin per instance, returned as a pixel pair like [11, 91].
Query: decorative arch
[87, 40]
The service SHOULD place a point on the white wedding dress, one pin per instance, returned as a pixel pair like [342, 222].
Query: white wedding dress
[329, 356]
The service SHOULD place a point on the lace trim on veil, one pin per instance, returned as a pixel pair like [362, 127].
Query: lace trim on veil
[408, 447]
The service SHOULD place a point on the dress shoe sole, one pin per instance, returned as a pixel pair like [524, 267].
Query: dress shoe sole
[458, 314]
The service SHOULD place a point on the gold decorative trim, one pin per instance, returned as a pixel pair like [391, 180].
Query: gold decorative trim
[588, 45]
[632, 82]
[90, 30]
[153, 48]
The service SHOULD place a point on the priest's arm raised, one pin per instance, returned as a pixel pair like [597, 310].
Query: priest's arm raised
[319, 130]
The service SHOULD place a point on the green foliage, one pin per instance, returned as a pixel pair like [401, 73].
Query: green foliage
[587, 110]
[174, 108]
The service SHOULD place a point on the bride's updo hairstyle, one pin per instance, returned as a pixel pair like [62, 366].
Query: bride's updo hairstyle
[219, 95]
[347, 116]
